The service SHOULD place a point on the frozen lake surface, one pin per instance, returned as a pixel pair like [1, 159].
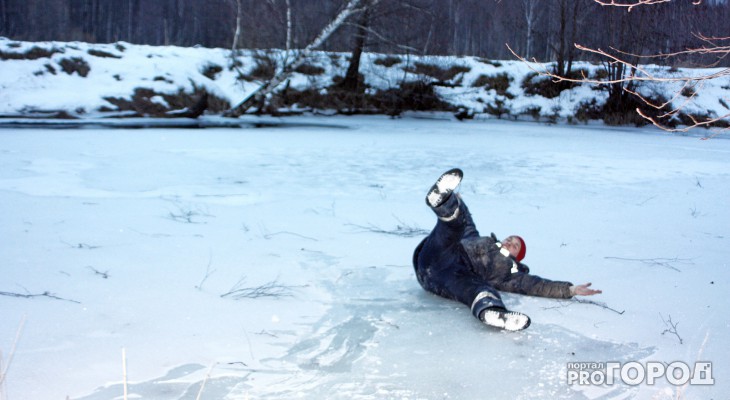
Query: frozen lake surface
[275, 262]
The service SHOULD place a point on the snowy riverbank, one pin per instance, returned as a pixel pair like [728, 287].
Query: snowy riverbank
[81, 80]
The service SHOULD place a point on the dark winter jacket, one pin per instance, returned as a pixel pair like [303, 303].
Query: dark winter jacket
[505, 273]
[483, 257]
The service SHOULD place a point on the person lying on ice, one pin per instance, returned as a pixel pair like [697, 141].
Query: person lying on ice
[454, 262]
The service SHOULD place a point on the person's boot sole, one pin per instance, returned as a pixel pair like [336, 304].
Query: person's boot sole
[507, 320]
[444, 186]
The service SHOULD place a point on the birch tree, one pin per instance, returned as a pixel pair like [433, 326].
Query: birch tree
[237, 32]
[530, 12]
[258, 95]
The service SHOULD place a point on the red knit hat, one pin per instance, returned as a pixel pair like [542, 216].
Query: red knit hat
[523, 249]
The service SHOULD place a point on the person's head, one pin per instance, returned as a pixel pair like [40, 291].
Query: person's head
[516, 246]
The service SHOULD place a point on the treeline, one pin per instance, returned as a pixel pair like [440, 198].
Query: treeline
[544, 29]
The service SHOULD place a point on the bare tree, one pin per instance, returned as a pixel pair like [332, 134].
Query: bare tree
[237, 33]
[376, 26]
[530, 12]
[439, 27]
[351, 80]
[288, 26]
[625, 69]
[258, 95]
[569, 15]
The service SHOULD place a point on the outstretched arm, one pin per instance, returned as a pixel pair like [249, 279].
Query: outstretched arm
[583, 290]
[534, 285]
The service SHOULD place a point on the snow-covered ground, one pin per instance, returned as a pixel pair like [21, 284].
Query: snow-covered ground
[139, 233]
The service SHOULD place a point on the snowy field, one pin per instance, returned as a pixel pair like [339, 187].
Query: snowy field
[275, 263]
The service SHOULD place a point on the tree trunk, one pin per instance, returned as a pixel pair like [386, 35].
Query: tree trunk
[560, 60]
[351, 81]
[237, 33]
[573, 32]
[258, 95]
[530, 9]
[3, 16]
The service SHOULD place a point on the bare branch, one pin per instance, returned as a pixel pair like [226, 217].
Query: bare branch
[30, 296]
[631, 4]
[568, 303]
[382, 38]
[713, 47]
[270, 235]
[81, 245]
[642, 74]
[208, 273]
[4, 368]
[599, 304]
[104, 274]
[188, 213]
[662, 262]
[671, 327]
[269, 289]
[615, 57]
[402, 229]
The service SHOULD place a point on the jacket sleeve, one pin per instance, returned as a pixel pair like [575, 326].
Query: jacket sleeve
[534, 285]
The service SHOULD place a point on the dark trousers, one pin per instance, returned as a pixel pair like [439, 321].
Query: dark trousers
[443, 267]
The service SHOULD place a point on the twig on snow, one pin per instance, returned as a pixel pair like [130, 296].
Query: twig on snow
[83, 246]
[270, 235]
[402, 230]
[237, 363]
[104, 274]
[269, 289]
[4, 369]
[694, 213]
[671, 327]
[208, 273]
[267, 333]
[567, 303]
[662, 262]
[30, 296]
[188, 213]
[646, 201]
[599, 304]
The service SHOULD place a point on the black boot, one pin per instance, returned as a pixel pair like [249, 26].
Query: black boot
[488, 307]
[503, 319]
[440, 198]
